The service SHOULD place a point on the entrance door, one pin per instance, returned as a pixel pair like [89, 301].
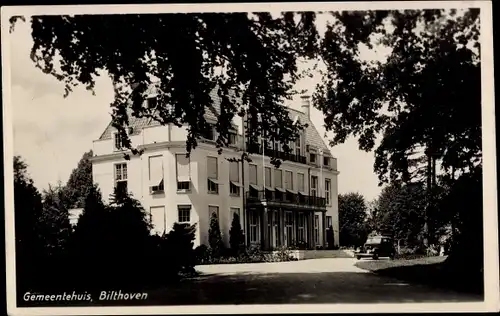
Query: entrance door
[276, 229]
[289, 229]
[270, 231]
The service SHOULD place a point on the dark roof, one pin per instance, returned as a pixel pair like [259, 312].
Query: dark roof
[137, 124]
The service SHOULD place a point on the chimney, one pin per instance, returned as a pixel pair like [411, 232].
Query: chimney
[306, 105]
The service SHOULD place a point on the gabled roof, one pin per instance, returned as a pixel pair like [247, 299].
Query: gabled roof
[313, 137]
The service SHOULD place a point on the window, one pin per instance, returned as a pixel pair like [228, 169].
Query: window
[234, 189]
[328, 222]
[121, 177]
[312, 158]
[156, 174]
[277, 145]
[301, 183]
[278, 178]
[326, 161]
[301, 227]
[288, 180]
[235, 211]
[314, 185]
[184, 213]
[253, 174]
[297, 146]
[253, 221]
[316, 229]
[232, 138]
[183, 172]
[234, 178]
[268, 176]
[118, 141]
[158, 219]
[213, 210]
[328, 185]
[212, 175]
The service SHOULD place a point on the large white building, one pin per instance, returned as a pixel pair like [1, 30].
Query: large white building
[277, 207]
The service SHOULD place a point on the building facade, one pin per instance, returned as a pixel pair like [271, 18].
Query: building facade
[291, 205]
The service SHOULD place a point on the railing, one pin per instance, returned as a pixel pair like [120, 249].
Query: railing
[270, 152]
[285, 198]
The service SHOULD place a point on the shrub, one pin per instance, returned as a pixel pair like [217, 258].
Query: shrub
[202, 254]
[215, 237]
[236, 239]
[179, 245]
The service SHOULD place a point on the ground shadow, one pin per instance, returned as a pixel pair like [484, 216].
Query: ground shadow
[437, 276]
[290, 288]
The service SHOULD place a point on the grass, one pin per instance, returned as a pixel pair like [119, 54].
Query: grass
[432, 271]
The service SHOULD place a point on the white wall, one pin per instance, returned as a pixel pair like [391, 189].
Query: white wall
[198, 198]
[155, 134]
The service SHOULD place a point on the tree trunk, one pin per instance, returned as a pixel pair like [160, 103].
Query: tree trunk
[429, 186]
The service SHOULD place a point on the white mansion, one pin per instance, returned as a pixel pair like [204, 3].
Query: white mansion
[277, 207]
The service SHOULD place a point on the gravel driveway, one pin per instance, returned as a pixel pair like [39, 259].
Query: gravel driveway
[308, 281]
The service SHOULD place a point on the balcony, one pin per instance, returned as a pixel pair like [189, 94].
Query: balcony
[269, 152]
[281, 197]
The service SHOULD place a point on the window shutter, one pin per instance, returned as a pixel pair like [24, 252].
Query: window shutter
[278, 178]
[155, 169]
[288, 180]
[268, 177]
[183, 170]
[253, 174]
[234, 173]
[211, 167]
[300, 179]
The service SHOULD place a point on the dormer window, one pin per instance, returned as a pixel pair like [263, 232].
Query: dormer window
[312, 158]
[209, 133]
[118, 141]
[232, 138]
[326, 161]
[297, 146]
[152, 102]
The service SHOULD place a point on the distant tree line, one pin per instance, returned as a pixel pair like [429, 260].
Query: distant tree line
[402, 211]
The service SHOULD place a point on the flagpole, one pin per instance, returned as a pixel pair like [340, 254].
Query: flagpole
[263, 155]
[321, 173]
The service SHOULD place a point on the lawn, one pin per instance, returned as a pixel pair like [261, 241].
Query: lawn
[431, 271]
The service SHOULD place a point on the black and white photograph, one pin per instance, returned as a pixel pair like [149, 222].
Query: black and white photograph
[257, 157]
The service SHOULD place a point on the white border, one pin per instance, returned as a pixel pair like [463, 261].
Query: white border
[489, 161]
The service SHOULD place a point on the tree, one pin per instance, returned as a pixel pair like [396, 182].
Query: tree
[180, 248]
[424, 100]
[53, 225]
[215, 236]
[400, 212]
[80, 182]
[352, 217]
[236, 238]
[27, 209]
[250, 58]
[111, 241]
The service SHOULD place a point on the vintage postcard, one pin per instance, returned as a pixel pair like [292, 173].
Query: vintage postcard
[259, 157]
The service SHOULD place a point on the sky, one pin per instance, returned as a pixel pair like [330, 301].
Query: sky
[51, 132]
